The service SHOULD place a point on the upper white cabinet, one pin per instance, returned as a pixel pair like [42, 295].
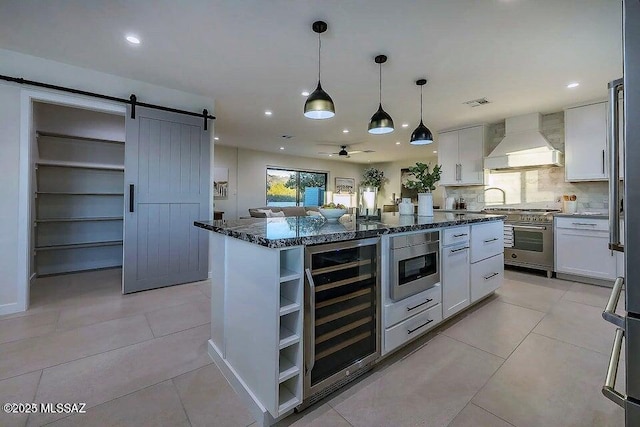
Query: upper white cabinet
[461, 153]
[587, 143]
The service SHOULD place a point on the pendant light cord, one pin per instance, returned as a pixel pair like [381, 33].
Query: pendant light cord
[380, 84]
[420, 103]
[319, 47]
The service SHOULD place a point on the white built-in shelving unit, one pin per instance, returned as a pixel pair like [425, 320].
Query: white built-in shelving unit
[78, 203]
[290, 368]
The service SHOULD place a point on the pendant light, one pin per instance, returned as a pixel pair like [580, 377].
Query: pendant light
[381, 122]
[422, 135]
[319, 104]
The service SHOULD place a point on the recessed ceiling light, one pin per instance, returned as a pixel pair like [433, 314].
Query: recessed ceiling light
[305, 93]
[268, 113]
[434, 151]
[282, 148]
[572, 85]
[330, 155]
[398, 143]
[132, 39]
[405, 125]
[216, 138]
[345, 130]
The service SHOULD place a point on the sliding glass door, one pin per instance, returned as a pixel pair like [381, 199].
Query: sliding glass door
[286, 187]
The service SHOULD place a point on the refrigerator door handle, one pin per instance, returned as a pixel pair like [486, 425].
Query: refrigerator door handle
[310, 355]
[608, 389]
[615, 87]
[609, 313]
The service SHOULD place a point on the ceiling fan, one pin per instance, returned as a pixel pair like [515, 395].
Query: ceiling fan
[344, 153]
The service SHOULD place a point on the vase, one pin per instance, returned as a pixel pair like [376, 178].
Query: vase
[425, 204]
[368, 200]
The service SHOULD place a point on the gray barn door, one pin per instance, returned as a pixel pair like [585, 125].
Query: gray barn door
[166, 189]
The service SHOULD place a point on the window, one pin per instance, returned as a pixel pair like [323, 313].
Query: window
[286, 187]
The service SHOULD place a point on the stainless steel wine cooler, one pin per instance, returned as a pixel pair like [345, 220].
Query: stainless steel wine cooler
[342, 314]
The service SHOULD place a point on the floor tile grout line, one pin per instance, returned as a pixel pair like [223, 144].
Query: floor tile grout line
[122, 317]
[175, 387]
[340, 415]
[136, 391]
[146, 318]
[501, 365]
[484, 409]
[572, 344]
[102, 352]
[35, 393]
[473, 346]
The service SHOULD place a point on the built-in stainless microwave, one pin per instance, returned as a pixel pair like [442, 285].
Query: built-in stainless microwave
[414, 264]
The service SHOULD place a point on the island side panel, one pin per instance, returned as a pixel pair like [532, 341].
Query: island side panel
[251, 317]
[218, 269]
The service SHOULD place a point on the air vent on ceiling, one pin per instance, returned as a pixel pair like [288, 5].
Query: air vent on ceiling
[476, 102]
[287, 136]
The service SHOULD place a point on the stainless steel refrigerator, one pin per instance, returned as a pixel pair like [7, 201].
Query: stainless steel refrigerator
[628, 327]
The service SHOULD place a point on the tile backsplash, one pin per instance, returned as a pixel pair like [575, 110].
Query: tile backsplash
[535, 188]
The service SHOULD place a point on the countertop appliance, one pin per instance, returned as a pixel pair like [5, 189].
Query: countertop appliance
[414, 264]
[628, 327]
[341, 314]
[528, 238]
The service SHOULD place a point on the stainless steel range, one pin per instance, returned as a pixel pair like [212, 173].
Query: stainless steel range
[528, 237]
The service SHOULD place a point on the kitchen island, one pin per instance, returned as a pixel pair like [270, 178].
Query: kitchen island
[270, 335]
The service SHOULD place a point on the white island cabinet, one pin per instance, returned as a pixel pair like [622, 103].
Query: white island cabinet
[289, 294]
[456, 293]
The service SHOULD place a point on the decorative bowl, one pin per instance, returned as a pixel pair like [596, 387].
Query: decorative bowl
[332, 215]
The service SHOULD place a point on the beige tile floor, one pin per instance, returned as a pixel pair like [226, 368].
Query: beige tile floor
[535, 354]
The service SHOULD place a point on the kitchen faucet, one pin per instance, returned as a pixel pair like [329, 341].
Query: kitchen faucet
[504, 195]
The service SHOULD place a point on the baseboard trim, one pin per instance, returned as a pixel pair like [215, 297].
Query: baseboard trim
[259, 412]
[587, 280]
[11, 308]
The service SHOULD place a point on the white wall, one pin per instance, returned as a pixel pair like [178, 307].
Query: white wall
[248, 175]
[392, 185]
[34, 68]
[9, 184]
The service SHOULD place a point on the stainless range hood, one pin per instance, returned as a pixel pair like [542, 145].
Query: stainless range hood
[523, 146]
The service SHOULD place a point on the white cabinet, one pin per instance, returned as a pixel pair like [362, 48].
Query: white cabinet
[487, 240]
[411, 328]
[587, 142]
[486, 276]
[455, 273]
[582, 248]
[461, 154]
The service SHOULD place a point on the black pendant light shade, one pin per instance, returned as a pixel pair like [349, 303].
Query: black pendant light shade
[381, 122]
[319, 104]
[422, 135]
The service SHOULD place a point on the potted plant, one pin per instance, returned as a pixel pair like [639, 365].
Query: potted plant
[424, 183]
[372, 179]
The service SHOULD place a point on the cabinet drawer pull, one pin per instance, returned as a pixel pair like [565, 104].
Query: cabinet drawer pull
[458, 250]
[410, 331]
[460, 235]
[490, 276]
[419, 305]
[491, 240]
[584, 223]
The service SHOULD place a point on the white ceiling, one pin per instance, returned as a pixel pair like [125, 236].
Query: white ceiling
[254, 55]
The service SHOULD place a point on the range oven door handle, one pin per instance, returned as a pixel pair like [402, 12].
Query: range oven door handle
[310, 354]
[529, 227]
[608, 389]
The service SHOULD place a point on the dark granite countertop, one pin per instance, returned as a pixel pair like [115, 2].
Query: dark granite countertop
[312, 230]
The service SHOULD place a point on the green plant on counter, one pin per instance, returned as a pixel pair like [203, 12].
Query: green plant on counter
[372, 177]
[425, 181]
